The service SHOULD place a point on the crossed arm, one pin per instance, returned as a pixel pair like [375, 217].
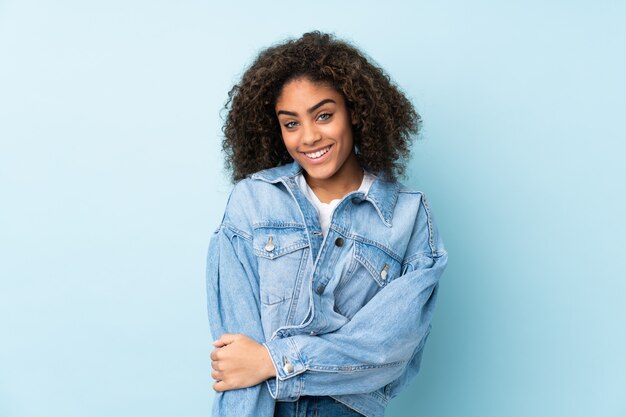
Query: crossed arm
[379, 350]
[234, 307]
[239, 362]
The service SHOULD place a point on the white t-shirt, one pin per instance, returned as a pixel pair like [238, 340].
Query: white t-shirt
[325, 210]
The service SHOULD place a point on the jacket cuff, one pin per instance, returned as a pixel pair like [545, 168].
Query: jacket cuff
[287, 386]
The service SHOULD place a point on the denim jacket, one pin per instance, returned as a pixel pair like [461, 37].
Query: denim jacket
[346, 315]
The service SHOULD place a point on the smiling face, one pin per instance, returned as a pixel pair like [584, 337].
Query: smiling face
[317, 131]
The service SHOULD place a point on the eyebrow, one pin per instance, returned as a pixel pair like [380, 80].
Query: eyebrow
[311, 110]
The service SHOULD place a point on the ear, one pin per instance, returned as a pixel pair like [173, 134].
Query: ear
[353, 118]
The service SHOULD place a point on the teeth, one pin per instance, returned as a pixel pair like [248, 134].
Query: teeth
[317, 154]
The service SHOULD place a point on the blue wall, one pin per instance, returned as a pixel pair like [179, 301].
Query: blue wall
[111, 182]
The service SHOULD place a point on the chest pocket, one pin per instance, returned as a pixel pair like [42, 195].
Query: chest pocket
[381, 266]
[371, 270]
[281, 253]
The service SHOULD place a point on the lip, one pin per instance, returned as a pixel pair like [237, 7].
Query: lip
[322, 158]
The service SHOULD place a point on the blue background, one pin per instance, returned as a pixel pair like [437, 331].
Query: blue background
[111, 182]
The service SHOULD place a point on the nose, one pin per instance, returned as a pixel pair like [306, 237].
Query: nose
[312, 135]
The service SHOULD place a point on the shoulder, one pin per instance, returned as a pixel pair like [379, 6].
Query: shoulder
[241, 201]
[409, 200]
[275, 174]
[408, 192]
[413, 210]
[257, 197]
[252, 190]
[263, 181]
[416, 200]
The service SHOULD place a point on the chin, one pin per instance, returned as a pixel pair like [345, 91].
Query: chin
[317, 173]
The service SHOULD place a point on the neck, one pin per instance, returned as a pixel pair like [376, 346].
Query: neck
[347, 179]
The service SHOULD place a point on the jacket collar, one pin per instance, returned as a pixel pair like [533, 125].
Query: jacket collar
[382, 194]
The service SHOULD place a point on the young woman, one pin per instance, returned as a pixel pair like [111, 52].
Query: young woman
[322, 276]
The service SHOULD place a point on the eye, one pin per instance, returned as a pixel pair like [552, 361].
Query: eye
[290, 125]
[324, 116]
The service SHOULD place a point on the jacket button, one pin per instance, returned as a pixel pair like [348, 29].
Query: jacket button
[288, 368]
[319, 289]
[383, 273]
[339, 242]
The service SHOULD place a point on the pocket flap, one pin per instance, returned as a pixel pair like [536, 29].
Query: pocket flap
[381, 266]
[273, 242]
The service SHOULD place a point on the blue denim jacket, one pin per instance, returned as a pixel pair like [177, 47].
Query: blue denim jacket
[346, 315]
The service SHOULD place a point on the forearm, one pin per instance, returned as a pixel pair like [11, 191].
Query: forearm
[370, 351]
[336, 381]
[233, 307]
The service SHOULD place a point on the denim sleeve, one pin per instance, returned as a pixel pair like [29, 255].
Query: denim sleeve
[383, 341]
[234, 307]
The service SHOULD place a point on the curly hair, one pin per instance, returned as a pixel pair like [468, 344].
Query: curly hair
[385, 118]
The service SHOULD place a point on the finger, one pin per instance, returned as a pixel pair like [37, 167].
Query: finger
[220, 386]
[215, 365]
[225, 339]
[215, 355]
[216, 375]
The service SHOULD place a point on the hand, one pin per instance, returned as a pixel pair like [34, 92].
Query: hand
[239, 362]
